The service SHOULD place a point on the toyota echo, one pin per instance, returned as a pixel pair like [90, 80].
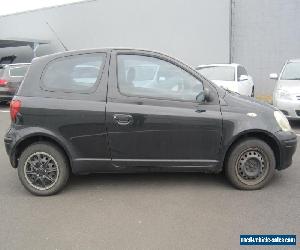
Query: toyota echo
[127, 110]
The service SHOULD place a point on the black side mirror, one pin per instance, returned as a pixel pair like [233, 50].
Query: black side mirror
[204, 96]
[207, 95]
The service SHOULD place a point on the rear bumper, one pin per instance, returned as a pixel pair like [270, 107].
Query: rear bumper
[5, 94]
[287, 148]
[6, 98]
[9, 143]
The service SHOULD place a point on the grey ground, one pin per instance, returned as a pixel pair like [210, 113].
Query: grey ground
[145, 211]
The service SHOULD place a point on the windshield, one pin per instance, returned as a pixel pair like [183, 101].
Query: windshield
[18, 70]
[222, 73]
[291, 71]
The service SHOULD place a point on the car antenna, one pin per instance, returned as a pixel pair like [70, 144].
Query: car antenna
[57, 37]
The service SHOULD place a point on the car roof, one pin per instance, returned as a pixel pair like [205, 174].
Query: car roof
[98, 50]
[218, 65]
[108, 49]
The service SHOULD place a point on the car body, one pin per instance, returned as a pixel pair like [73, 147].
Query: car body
[286, 94]
[11, 76]
[233, 77]
[113, 125]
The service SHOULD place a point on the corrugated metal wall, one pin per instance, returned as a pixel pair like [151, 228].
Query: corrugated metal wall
[195, 31]
[265, 33]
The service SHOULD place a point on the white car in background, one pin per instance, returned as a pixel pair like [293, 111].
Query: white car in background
[286, 95]
[233, 77]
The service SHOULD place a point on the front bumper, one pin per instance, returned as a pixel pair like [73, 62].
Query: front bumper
[287, 147]
[291, 108]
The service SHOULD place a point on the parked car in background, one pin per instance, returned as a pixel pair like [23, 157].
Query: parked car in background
[112, 123]
[233, 77]
[11, 76]
[286, 95]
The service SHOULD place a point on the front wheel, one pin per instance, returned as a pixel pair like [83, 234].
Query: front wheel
[250, 165]
[43, 169]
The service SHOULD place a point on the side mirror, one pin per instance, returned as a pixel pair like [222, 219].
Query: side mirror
[204, 95]
[207, 95]
[243, 78]
[273, 76]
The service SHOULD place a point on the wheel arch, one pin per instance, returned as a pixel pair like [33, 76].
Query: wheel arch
[39, 137]
[265, 136]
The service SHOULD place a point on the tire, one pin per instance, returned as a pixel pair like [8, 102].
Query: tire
[252, 93]
[250, 164]
[46, 167]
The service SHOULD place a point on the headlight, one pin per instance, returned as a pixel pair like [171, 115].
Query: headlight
[282, 121]
[283, 94]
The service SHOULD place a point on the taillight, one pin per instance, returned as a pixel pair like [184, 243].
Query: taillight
[3, 82]
[15, 106]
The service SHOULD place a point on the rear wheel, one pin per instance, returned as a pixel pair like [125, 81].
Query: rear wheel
[43, 169]
[250, 165]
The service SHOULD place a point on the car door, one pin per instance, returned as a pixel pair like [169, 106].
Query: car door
[245, 85]
[160, 124]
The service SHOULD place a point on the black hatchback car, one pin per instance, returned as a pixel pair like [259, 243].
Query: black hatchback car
[126, 110]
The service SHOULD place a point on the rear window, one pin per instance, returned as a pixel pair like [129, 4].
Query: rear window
[78, 73]
[18, 71]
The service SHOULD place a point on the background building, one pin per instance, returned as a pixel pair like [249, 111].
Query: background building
[260, 34]
[265, 33]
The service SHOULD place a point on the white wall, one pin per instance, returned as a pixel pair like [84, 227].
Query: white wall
[265, 33]
[196, 32]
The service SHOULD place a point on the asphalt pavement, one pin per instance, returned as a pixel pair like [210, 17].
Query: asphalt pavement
[145, 211]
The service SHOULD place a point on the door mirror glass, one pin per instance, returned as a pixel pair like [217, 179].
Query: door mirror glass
[243, 78]
[273, 76]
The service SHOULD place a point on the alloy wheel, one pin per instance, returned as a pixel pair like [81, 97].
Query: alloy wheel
[41, 170]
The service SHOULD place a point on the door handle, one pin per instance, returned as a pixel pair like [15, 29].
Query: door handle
[123, 119]
[201, 110]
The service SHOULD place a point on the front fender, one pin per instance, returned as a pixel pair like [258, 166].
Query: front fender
[251, 133]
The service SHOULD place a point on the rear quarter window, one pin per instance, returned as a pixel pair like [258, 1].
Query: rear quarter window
[77, 73]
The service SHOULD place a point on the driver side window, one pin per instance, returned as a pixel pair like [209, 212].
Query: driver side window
[156, 78]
